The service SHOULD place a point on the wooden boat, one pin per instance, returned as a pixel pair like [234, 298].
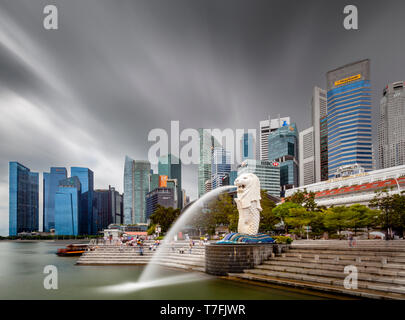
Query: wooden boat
[72, 250]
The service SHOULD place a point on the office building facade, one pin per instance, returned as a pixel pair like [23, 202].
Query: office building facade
[248, 146]
[391, 126]
[307, 171]
[349, 116]
[159, 196]
[107, 208]
[283, 148]
[267, 126]
[268, 173]
[50, 187]
[220, 166]
[170, 166]
[86, 178]
[207, 145]
[136, 186]
[69, 217]
[23, 199]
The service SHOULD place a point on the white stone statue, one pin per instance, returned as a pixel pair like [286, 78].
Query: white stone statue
[248, 203]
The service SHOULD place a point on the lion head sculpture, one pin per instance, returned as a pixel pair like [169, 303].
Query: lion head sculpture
[248, 191]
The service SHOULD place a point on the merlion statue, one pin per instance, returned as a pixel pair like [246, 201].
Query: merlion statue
[248, 203]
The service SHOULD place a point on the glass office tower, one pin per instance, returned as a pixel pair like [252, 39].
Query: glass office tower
[349, 117]
[248, 146]
[23, 199]
[283, 148]
[170, 166]
[50, 187]
[86, 178]
[220, 166]
[136, 186]
[69, 219]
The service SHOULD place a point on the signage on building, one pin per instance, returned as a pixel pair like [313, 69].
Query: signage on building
[163, 181]
[275, 164]
[348, 79]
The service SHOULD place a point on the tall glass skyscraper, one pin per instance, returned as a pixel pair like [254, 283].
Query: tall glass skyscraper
[23, 199]
[283, 148]
[207, 145]
[391, 127]
[69, 219]
[349, 117]
[170, 166]
[136, 186]
[50, 187]
[86, 178]
[220, 166]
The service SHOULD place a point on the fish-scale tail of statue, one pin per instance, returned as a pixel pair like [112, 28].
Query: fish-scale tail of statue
[248, 204]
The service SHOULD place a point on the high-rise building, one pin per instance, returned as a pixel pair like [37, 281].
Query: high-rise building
[248, 146]
[391, 126]
[208, 185]
[207, 144]
[169, 165]
[69, 218]
[86, 178]
[306, 157]
[268, 173]
[159, 196]
[23, 199]
[107, 207]
[349, 117]
[50, 187]
[136, 186]
[220, 166]
[153, 180]
[232, 177]
[320, 137]
[267, 126]
[283, 148]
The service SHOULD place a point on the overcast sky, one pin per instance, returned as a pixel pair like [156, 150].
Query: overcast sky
[88, 93]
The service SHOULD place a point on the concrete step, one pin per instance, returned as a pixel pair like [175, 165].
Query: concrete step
[361, 293]
[363, 276]
[337, 282]
[349, 252]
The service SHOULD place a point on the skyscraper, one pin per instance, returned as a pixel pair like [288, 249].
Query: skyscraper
[265, 130]
[107, 207]
[69, 218]
[220, 166]
[283, 148]
[267, 172]
[170, 166]
[349, 116]
[307, 157]
[136, 186]
[23, 199]
[207, 144]
[50, 187]
[86, 178]
[248, 146]
[391, 126]
[159, 196]
[320, 137]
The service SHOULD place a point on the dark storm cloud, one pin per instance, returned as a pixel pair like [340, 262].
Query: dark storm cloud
[89, 92]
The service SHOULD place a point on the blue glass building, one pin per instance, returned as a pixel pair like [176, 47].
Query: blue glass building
[68, 214]
[169, 165]
[283, 148]
[349, 117]
[248, 146]
[159, 196]
[50, 187]
[220, 167]
[86, 178]
[23, 199]
[136, 186]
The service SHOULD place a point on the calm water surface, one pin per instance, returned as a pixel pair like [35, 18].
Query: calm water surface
[21, 277]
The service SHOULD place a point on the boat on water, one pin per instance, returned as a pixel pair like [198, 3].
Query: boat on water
[74, 249]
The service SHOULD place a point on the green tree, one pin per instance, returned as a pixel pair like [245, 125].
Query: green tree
[282, 211]
[336, 219]
[224, 211]
[267, 217]
[164, 217]
[360, 216]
